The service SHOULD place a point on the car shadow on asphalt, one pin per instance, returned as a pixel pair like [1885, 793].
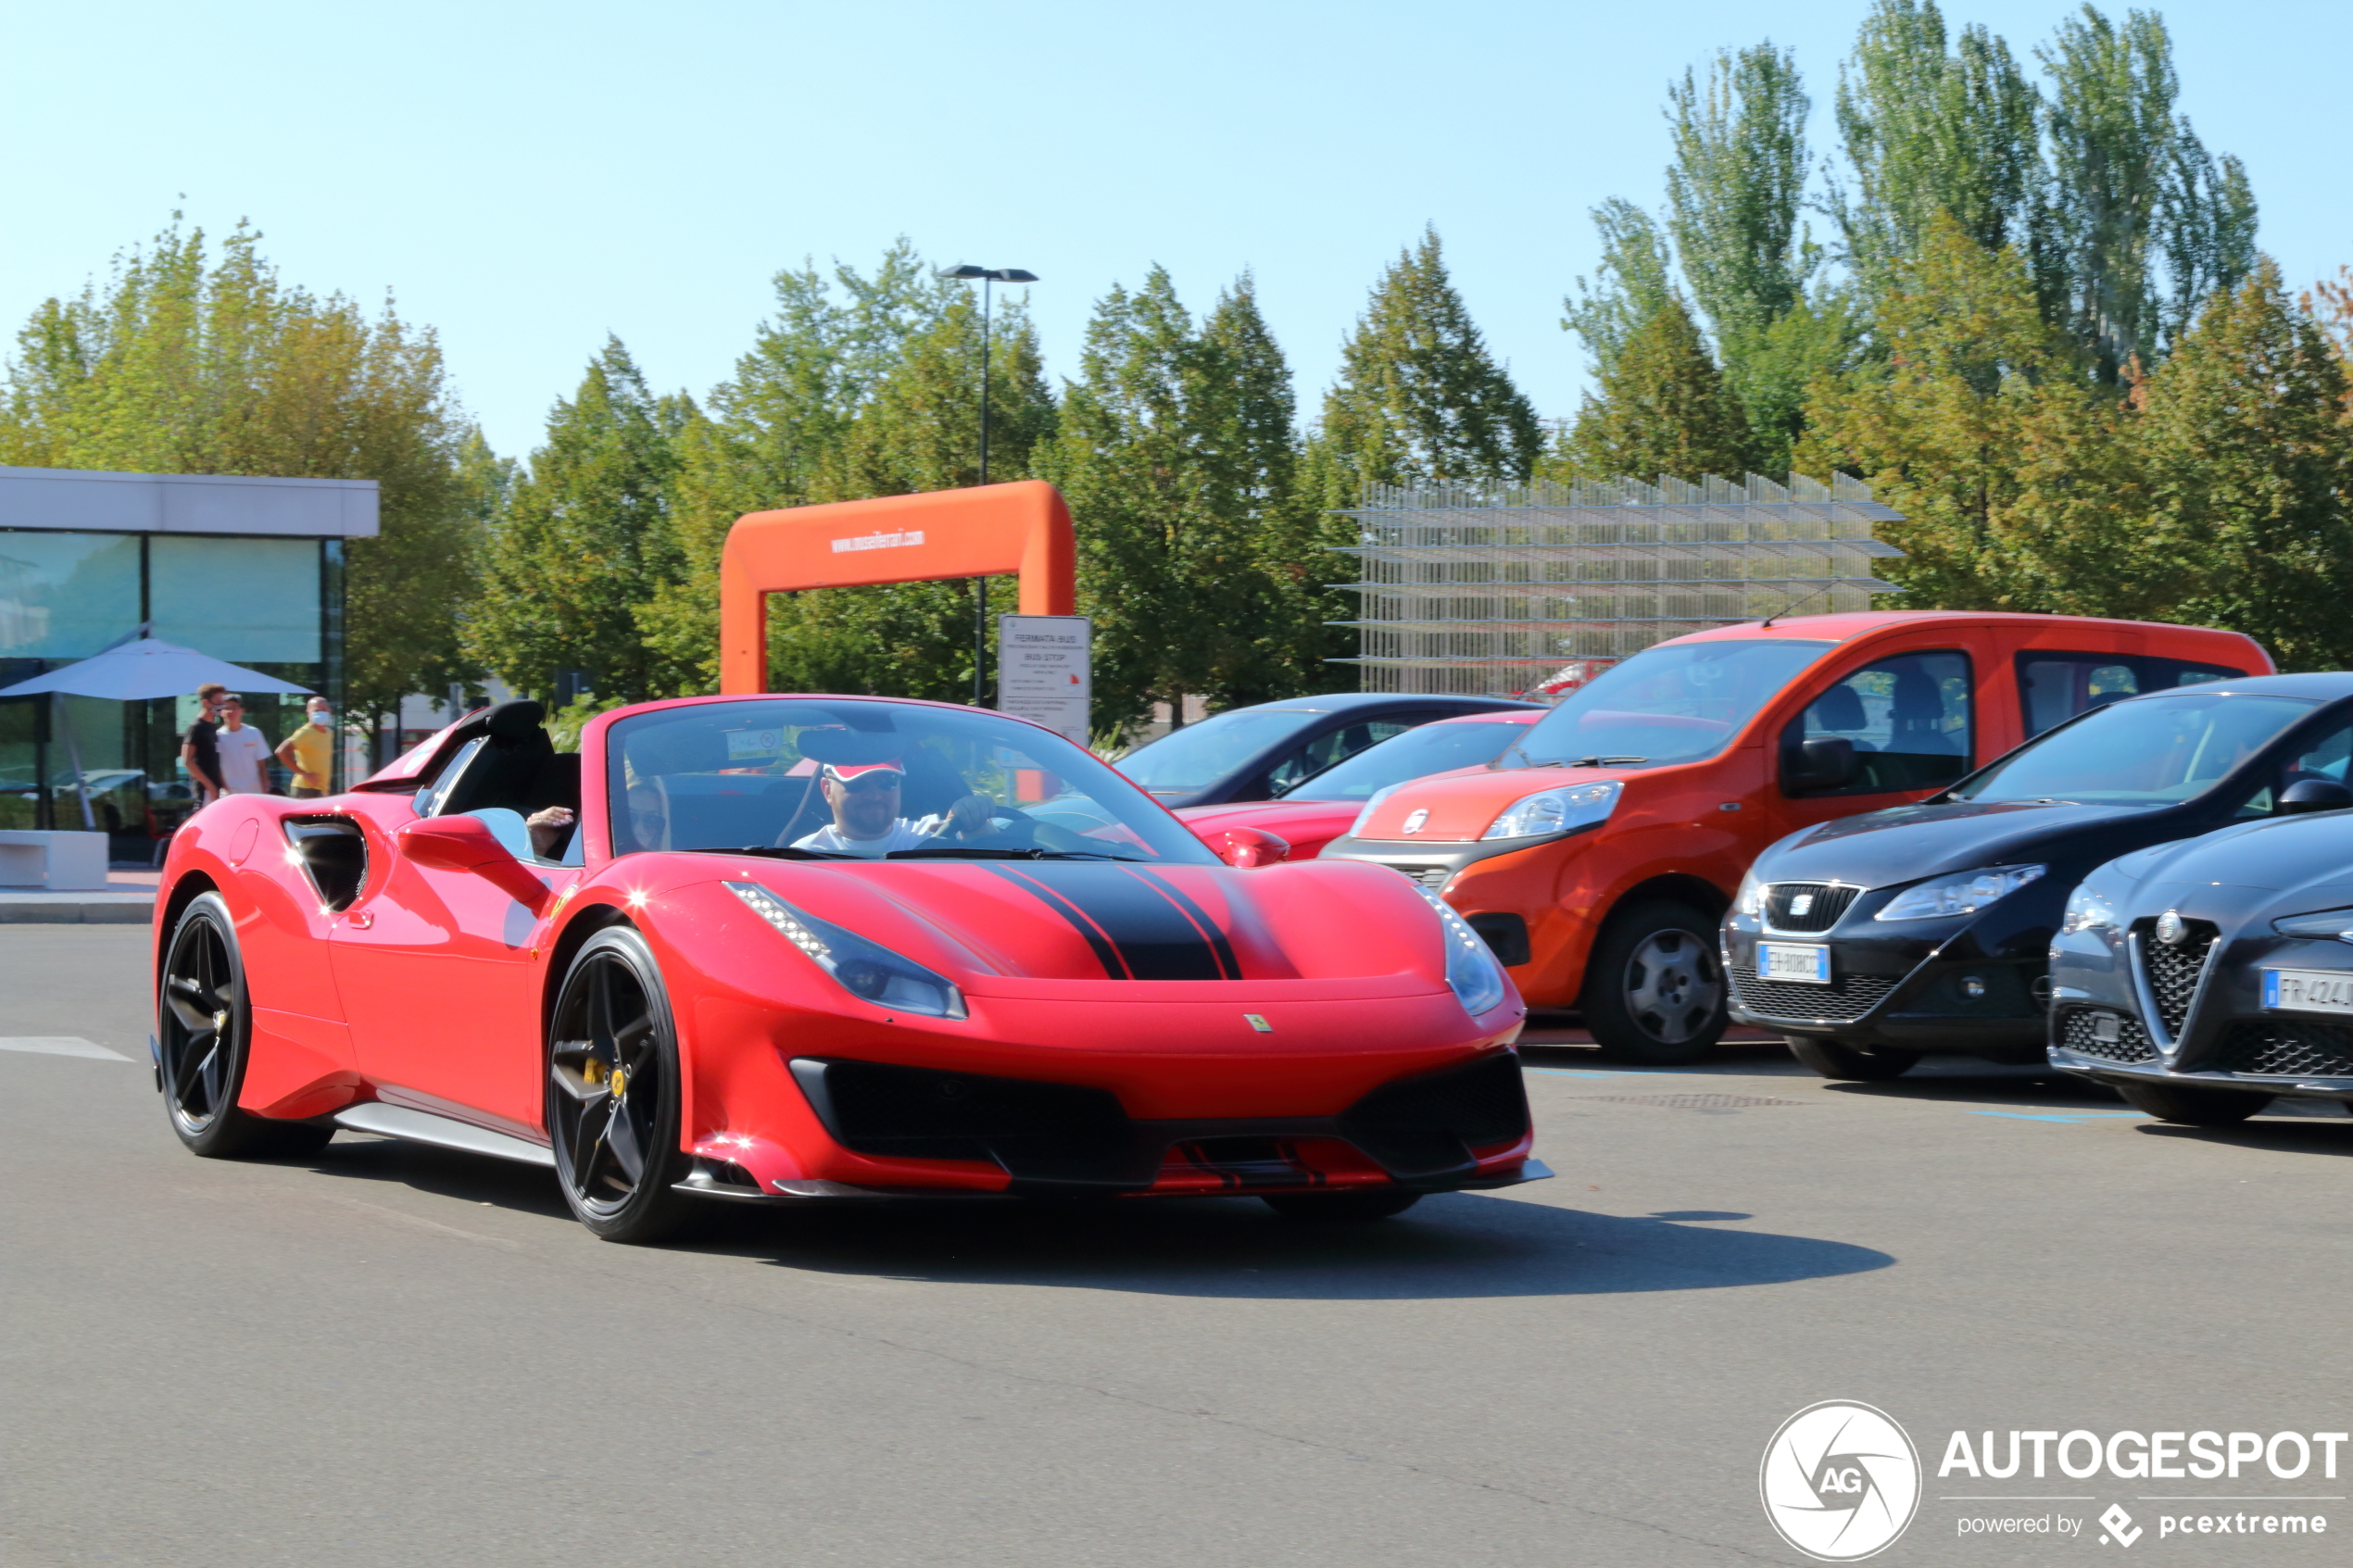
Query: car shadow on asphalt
[442, 1172]
[1459, 1244]
[1967, 1081]
[2267, 1132]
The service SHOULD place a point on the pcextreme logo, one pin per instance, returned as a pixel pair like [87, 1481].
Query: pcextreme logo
[1840, 1481]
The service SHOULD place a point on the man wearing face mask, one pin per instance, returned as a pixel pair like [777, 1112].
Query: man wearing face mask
[865, 801]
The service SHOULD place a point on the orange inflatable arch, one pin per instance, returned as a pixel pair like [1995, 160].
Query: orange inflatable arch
[981, 531]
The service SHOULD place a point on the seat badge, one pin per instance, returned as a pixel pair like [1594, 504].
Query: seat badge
[2171, 929]
[1258, 1021]
[1801, 905]
[1414, 821]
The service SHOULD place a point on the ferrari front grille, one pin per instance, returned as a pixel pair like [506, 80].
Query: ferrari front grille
[2173, 968]
[1423, 1126]
[1843, 1000]
[1806, 906]
[1040, 1131]
[2283, 1047]
[2110, 1035]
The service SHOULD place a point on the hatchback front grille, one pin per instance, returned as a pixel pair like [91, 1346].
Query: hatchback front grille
[2082, 1029]
[1806, 906]
[1435, 878]
[2173, 968]
[1843, 1000]
[2281, 1048]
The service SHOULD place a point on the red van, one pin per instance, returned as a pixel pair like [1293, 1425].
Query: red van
[1598, 854]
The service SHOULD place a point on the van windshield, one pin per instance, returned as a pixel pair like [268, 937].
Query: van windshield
[2150, 751]
[1679, 702]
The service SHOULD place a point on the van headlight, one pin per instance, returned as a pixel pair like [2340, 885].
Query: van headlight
[1356, 828]
[1962, 895]
[866, 970]
[2089, 909]
[1472, 971]
[1557, 811]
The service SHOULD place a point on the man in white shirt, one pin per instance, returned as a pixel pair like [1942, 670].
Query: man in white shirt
[865, 798]
[244, 755]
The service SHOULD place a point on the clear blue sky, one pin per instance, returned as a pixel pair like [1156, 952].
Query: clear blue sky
[528, 178]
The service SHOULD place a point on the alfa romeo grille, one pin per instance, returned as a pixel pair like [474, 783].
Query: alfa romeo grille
[2172, 969]
[1806, 906]
[2082, 1029]
[1842, 1001]
[2279, 1048]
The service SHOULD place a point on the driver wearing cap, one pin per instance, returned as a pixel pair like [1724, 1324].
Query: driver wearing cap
[865, 798]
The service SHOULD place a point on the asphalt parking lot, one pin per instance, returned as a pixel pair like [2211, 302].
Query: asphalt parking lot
[391, 1355]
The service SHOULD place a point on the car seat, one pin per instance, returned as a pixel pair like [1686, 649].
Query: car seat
[1839, 711]
[1917, 717]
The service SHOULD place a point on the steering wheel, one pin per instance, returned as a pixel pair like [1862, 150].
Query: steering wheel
[1022, 834]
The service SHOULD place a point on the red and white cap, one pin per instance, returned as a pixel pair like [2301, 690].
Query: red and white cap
[849, 773]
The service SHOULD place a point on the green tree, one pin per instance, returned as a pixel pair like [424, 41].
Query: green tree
[184, 363]
[1419, 399]
[1659, 407]
[2142, 222]
[1931, 129]
[1633, 282]
[582, 539]
[2251, 466]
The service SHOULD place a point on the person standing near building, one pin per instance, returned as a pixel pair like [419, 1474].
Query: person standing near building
[197, 752]
[309, 753]
[243, 754]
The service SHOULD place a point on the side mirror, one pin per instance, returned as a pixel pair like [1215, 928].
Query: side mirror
[466, 844]
[1245, 848]
[2314, 795]
[1824, 763]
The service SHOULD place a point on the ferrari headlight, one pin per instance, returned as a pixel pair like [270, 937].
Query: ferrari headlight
[1356, 828]
[2088, 910]
[1962, 895]
[2337, 923]
[1557, 811]
[865, 969]
[1472, 972]
[1750, 900]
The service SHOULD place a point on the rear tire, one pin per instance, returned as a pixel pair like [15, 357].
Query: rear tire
[1844, 1063]
[1340, 1208]
[204, 1033]
[2193, 1107]
[1655, 986]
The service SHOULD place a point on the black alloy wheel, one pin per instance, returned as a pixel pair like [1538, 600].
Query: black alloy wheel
[204, 1029]
[1655, 986]
[1845, 1063]
[612, 1091]
[2193, 1107]
[1341, 1208]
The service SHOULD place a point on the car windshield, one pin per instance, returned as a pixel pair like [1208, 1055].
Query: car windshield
[1432, 749]
[1676, 703]
[1199, 755]
[869, 779]
[2150, 751]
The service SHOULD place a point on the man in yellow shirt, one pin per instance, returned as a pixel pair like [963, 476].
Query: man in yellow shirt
[309, 753]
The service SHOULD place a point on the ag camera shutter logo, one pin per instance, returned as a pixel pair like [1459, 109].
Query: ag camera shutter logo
[1840, 1481]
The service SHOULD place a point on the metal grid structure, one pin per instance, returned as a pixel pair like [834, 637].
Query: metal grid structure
[1531, 588]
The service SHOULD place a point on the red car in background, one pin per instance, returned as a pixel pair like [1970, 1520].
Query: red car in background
[1321, 806]
[783, 949]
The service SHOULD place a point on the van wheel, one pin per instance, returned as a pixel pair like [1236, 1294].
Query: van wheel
[1845, 1063]
[1655, 987]
[2194, 1108]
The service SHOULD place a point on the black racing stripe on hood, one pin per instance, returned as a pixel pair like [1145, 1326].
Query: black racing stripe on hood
[1199, 916]
[1105, 954]
[1155, 937]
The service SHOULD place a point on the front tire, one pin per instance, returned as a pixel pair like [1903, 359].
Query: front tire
[204, 1033]
[1655, 986]
[1340, 1208]
[2193, 1107]
[613, 1092]
[1846, 1064]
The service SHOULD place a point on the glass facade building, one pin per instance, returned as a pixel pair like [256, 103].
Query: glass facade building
[246, 570]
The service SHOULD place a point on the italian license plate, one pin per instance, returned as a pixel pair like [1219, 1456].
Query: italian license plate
[2309, 990]
[1808, 964]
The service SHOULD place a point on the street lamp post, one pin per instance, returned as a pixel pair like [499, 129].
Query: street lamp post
[988, 276]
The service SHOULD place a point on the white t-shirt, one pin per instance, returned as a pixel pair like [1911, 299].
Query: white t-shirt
[903, 835]
[245, 759]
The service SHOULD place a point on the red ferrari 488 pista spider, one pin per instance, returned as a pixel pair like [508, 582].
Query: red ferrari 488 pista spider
[786, 948]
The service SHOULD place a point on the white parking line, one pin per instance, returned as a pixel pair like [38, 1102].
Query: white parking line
[60, 1044]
